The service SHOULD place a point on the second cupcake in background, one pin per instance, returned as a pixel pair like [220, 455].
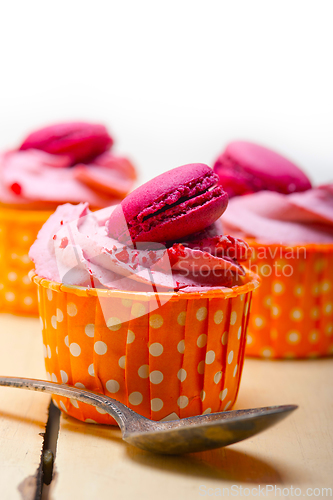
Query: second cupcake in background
[291, 234]
[66, 162]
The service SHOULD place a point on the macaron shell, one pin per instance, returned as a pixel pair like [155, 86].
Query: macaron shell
[245, 167]
[139, 212]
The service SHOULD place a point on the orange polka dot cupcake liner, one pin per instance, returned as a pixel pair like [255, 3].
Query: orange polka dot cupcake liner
[18, 231]
[167, 356]
[292, 311]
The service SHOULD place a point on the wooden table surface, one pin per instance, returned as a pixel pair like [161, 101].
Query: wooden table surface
[294, 458]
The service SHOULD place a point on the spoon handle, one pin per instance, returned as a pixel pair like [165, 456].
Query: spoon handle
[121, 413]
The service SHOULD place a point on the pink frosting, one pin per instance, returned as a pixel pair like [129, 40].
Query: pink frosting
[36, 179]
[271, 217]
[73, 247]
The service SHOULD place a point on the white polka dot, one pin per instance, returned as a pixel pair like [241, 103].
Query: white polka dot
[325, 286]
[313, 336]
[75, 349]
[182, 401]
[156, 321]
[224, 338]
[100, 410]
[230, 357]
[227, 406]
[54, 322]
[156, 349]
[267, 352]
[268, 301]
[91, 370]
[329, 329]
[328, 308]
[66, 341]
[223, 394]
[299, 290]
[278, 288]
[249, 339]
[127, 302]
[296, 314]
[100, 347]
[60, 315]
[79, 385]
[143, 371]
[218, 317]
[122, 362]
[181, 375]
[201, 313]
[57, 350]
[26, 280]
[114, 324]
[217, 377]
[74, 403]
[71, 309]
[156, 377]
[202, 395]
[259, 321]
[62, 406]
[207, 411]
[12, 276]
[202, 340]
[181, 318]
[138, 310]
[233, 317]
[64, 377]
[25, 259]
[315, 289]
[314, 313]
[201, 367]
[112, 386]
[135, 398]
[239, 333]
[28, 300]
[90, 421]
[89, 330]
[156, 404]
[10, 296]
[181, 346]
[293, 337]
[235, 370]
[210, 357]
[130, 337]
[49, 294]
[54, 377]
[49, 352]
[242, 296]
[276, 311]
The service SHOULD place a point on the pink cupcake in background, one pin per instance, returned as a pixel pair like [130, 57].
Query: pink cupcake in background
[67, 162]
[289, 225]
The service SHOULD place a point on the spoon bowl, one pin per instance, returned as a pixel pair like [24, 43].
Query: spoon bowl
[174, 437]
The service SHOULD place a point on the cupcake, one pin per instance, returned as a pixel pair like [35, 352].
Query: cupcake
[69, 162]
[146, 302]
[289, 225]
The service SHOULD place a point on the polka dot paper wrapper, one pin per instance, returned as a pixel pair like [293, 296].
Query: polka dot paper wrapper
[18, 231]
[292, 311]
[180, 359]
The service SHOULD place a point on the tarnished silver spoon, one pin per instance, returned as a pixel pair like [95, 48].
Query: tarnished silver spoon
[203, 432]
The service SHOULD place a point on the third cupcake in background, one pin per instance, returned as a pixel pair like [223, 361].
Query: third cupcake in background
[66, 162]
[289, 225]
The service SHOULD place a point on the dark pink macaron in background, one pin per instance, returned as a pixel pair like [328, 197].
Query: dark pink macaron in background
[80, 141]
[173, 205]
[245, 168]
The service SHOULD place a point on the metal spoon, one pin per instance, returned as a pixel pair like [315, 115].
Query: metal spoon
[203, 432]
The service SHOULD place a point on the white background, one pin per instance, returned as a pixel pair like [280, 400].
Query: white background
[174, 81]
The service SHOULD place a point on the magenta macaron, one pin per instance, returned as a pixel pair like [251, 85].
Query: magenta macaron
[177, 203]
[245, 168]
